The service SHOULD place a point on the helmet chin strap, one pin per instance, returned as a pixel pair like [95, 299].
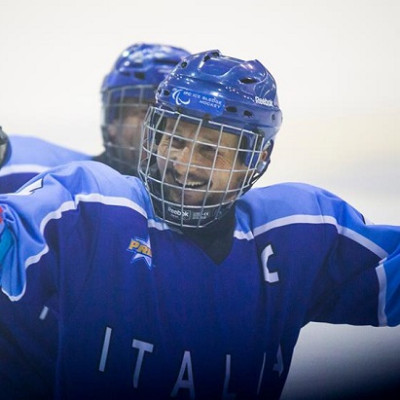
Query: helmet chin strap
[263, 164]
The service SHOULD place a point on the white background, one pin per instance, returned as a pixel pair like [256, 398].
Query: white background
[337, 65]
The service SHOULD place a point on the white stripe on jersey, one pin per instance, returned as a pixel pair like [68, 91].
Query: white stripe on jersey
[22, 168]
[323, 219]
[381, 274]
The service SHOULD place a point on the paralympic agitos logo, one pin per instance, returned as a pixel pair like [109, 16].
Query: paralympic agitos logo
[181, 97]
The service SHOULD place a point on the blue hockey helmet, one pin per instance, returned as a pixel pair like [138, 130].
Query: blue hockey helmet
[129, 88]
[225, 90]
[141, 64]
[228, 95]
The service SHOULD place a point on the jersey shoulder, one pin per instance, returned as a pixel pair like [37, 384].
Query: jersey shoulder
[286, 200]
[79, 195]
[78, 181]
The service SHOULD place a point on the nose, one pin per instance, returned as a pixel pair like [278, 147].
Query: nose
[182, 159]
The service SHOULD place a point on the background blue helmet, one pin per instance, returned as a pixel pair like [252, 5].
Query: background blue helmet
[142, 64]
[138, 71]
[128, 89]
[224, 89]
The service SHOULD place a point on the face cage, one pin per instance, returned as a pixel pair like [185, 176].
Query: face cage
[215, 202]
[116, 105]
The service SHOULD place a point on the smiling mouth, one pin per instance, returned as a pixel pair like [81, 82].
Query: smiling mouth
[189, 183]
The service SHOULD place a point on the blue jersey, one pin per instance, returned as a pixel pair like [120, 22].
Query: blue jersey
[30, 156]
[144, 313]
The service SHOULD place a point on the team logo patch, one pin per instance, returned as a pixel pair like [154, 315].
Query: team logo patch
[141, 251]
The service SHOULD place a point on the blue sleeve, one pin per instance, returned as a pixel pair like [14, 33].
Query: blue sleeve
[25, 214]
[337, 266]
[361, 272]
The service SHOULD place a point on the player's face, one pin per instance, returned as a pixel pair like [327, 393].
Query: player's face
[208, 167]
[124, 132]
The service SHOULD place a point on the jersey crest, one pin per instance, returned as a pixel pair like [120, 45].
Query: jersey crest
[141, 250]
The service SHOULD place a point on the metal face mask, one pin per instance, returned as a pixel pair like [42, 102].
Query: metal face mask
[195, 169]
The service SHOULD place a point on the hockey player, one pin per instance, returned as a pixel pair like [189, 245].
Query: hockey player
[127, 91]
[191, 285]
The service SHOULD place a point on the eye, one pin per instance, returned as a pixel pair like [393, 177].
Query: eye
[178, 142]
[207, 150]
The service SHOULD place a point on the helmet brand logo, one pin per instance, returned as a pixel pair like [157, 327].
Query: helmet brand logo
[176, 212]
[263, 101]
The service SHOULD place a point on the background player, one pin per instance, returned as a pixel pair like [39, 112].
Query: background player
[126, 91]
[148, 306]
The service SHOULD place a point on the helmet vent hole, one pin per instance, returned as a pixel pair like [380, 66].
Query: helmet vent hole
[166, 92]
[247, 81]
[273, 117]
[140, 75]
[163, 61]
[231, 109]
[184, 64]
[214, 54]
[247, 113]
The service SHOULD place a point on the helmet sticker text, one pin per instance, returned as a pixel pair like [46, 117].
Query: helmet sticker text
[198, 101]
[263, 101]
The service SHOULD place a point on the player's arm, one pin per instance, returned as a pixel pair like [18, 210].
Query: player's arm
[27, 339]
[50, 196]
[29, 266]
[360, 279]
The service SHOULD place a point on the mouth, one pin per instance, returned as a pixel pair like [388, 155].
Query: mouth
[190, 182]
